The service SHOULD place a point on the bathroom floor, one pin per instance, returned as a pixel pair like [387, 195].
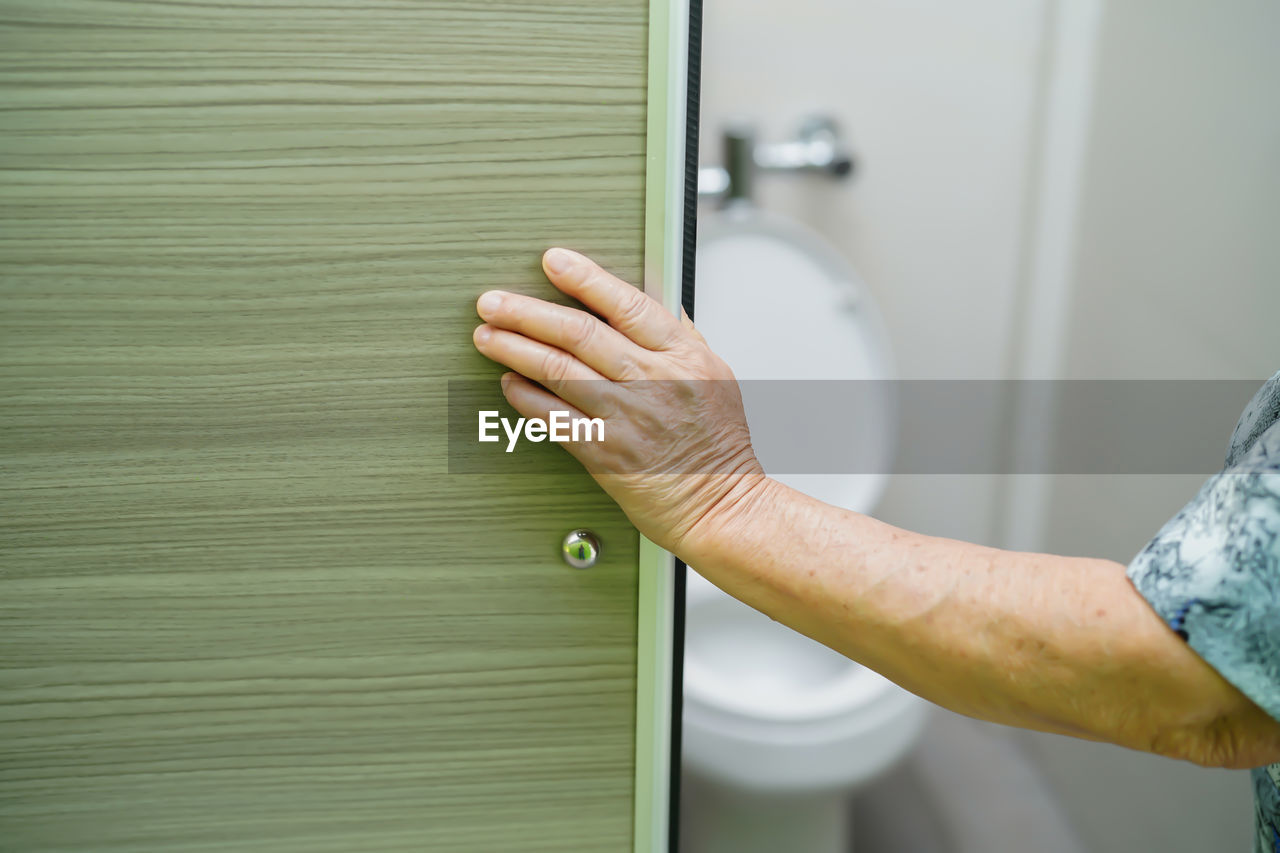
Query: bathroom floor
[967, 788]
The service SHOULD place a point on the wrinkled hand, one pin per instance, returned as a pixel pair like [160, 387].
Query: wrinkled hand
[676, 453]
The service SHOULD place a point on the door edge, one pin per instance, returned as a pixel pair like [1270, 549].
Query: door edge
[670, 239]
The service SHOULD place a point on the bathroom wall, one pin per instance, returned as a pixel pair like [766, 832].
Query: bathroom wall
[1176, 276]
[1173, 269]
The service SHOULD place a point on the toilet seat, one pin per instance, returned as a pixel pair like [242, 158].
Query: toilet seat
[741, 663]
[844, 337]
[818, 291]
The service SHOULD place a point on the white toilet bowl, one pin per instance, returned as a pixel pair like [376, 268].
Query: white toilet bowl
[777, 728]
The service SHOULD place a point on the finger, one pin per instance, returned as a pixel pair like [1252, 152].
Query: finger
[561, 373]
[532, 401]
[601, 348]
[624, 307]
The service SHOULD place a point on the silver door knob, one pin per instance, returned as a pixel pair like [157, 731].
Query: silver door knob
[580, 549]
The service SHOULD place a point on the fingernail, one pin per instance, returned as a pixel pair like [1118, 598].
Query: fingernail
[561, 260]
[482, 334]
[489, 302]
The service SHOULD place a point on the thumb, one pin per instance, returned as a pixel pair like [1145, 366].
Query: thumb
[687, 324]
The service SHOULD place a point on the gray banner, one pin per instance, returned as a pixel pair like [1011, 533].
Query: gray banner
[919, 426]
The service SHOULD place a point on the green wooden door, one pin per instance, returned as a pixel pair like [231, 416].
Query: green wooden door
[243, 603]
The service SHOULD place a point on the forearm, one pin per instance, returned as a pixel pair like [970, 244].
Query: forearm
[1051, 643]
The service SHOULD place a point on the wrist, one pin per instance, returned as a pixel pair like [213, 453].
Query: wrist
[742, 510]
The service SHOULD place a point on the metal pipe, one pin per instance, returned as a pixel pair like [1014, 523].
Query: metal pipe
[817, 147]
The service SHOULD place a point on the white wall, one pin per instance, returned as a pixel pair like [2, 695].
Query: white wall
[1178, 265]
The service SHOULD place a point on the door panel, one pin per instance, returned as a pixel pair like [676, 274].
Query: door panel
[244, 604]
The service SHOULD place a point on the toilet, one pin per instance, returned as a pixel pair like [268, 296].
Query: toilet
[779, 730]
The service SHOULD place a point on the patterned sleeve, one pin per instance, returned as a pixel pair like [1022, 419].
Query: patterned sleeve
[1213, 571]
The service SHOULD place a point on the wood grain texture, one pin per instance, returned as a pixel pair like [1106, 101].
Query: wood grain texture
[242, 604]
